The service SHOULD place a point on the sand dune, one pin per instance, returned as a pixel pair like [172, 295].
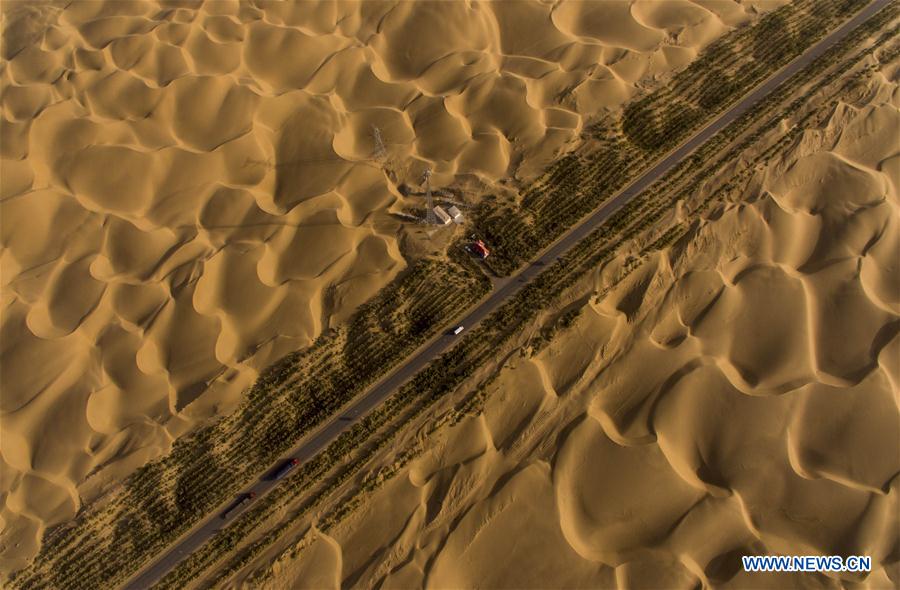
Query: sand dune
[182, 182]
[736, 394]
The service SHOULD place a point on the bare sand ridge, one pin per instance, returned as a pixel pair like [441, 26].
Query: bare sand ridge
[736, 394]
[188, 190]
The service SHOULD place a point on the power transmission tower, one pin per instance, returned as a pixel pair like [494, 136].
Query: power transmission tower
[430, 217]
[380, 152]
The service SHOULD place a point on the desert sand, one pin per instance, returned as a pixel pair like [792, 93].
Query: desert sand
[189, 190]
[736, 394]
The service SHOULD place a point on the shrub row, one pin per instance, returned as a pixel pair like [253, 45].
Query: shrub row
[109, 539]
[652, 125]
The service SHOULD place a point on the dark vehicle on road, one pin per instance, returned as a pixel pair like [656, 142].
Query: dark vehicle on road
[239, 504]
[286, 468]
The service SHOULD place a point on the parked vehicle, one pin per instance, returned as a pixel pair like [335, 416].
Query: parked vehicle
[479, 249]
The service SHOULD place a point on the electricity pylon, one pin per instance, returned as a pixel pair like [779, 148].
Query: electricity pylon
[430, 217]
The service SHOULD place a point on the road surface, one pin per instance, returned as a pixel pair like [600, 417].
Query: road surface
[503, 290]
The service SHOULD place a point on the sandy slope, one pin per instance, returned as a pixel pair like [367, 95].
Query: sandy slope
[736, 394]
[188, 190]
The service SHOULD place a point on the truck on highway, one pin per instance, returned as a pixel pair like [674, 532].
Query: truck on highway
[286, 468]
[239, 505]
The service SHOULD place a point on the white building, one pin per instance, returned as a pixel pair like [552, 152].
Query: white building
[455, 214]
[443, 217]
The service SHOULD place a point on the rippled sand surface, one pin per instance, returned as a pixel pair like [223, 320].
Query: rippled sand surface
[189, 190]
[735, 395]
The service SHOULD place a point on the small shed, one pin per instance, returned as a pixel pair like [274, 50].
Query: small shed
[443, 216]
[455, 214]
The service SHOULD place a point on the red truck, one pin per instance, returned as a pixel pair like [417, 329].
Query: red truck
[480, 249]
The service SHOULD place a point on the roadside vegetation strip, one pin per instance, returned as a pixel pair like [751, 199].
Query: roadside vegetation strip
[651, 125]
[360, 443]
[112, 537]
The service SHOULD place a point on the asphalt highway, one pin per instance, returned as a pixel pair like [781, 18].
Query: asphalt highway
[503, 290]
